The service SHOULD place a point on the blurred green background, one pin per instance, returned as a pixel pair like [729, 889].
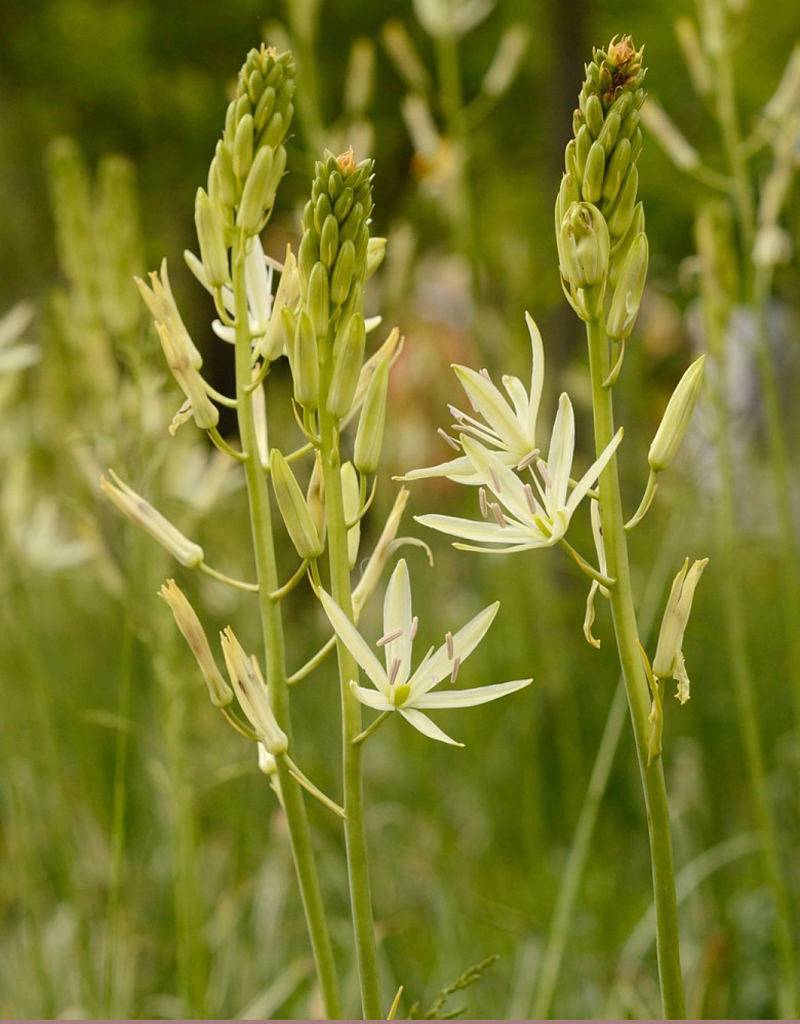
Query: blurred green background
[143, 867]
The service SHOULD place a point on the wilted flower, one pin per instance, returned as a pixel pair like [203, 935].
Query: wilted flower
[669, 651]
[396, 687]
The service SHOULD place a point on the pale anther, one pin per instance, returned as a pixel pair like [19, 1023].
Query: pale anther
[450, 645]
[454, 671]
[446, 437]
[387, 639]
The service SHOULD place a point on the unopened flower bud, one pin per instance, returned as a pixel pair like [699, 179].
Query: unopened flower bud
[351, 504]
[211, 236]
[329, 240]
[318, 300]
[252, 694]
[584, 245]
[628, 290]
[305, 362]
[243, 146]
[141, 512]
[621, 213]
[294, 510]
[592, 184]
[348, 355]
[256, 199]
[193, 633]
[343, 273]
[676, 418]
[371, 423]
[616, 170]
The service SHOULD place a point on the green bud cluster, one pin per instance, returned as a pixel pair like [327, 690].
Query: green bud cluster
[249, 160]
[600, 169]
[334, 261]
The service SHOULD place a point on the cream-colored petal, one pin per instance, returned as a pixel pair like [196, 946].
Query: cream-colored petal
[428, 728]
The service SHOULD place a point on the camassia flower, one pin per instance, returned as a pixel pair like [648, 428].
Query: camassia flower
[508, 428]
[519, 516]
[396, 687]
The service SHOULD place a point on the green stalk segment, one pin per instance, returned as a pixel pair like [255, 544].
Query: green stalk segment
[636, 688]
[272, 628]
[357, 864]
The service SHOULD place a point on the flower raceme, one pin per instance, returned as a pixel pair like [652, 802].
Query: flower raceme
[396, 687]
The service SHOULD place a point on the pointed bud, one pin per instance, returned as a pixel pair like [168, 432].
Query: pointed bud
[294, 510]
[348, 356]
[193, 633]
[305, 362]
[628, 290]
[141, 512]
[329, 240]
[318, 300]
[592, 184]
[616, 170]
[584, 246]
[351, 501]
[676, 418]
[342, 276]
[211, 236]
[252, 694]
[371, 424]
[256, 198]
[243, 147]
[621, 214]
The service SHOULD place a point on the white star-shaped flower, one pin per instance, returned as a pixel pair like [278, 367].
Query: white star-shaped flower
[396, 687]
[508, 428]
[523, 516]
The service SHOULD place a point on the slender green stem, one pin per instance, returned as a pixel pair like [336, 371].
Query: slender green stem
[627, 636]
[373, 726]
[272, 628]
[747, 707]
[581, 844]
[357, 863]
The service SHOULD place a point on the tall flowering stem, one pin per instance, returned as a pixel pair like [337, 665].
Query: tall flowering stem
[265, 560]
[602, 243]
[326, 364]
